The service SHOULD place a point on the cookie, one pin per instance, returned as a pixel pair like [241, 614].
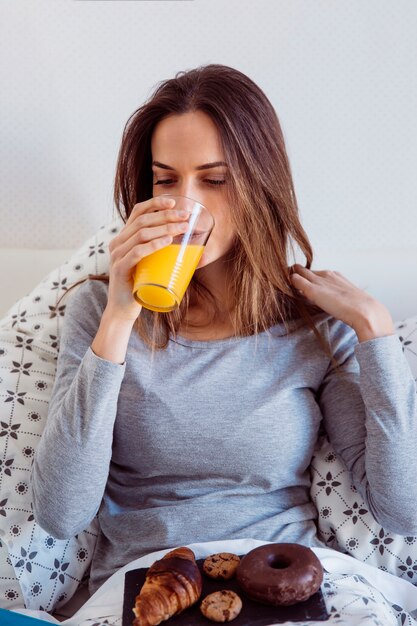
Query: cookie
[222, 565]
[221, 606]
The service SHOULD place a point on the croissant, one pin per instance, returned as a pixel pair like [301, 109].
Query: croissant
[172, 584]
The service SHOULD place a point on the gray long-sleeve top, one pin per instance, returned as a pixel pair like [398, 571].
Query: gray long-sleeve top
[210, 440]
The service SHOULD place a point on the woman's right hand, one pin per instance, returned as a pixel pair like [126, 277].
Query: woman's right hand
[151, 226]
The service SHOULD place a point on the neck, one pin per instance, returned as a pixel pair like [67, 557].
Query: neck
[216, 278]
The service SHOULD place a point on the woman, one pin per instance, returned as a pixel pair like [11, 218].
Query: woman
[200, 424]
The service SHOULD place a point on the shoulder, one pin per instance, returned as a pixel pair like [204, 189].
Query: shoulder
[334, 328]
[84, 306]
[87, 300]
[339, 330]
[342, 339]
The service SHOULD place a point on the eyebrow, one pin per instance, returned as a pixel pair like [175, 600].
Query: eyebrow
[205, 166]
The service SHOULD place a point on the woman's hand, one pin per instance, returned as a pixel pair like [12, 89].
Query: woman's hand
[336, 295]
[151, 226]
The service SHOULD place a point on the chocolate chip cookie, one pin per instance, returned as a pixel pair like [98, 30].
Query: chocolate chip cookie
[222, 565]
[221, 606]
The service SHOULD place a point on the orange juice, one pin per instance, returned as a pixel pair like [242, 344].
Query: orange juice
[160, 279]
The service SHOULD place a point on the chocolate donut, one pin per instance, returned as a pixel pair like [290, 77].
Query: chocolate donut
[280, 573]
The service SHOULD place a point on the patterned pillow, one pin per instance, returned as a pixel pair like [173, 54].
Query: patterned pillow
[344, 521]
[36, 569]
[10, 592]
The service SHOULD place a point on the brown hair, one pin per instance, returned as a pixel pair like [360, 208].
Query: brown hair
[263, 205]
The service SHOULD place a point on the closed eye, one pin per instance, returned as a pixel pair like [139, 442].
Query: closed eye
[169, 181]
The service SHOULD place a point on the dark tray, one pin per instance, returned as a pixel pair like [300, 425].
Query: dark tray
[252, 613]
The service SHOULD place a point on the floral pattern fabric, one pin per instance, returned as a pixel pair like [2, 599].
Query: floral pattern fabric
[37, 570]
[344, 522]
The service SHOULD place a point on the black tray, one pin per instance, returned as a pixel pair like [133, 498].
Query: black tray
[252, 613]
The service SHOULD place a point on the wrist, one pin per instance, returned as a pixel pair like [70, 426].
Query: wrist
[375, 323]
[112, 338]
[114, 317]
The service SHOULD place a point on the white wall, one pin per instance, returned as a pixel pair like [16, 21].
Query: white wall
[341, 75]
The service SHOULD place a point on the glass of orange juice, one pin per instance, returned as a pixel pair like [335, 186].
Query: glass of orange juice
[161, 278]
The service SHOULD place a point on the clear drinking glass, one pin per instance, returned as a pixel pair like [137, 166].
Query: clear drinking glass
[161, 278]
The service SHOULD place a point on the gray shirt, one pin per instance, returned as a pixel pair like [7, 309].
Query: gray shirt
[211, 440]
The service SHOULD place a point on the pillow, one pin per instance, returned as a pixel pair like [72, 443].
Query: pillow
[10, 592]
[37, 570]
[344, 522]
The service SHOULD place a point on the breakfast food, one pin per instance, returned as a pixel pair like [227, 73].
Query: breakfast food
[221, 606]
[221, 565]
[280, 573]
[172, 584]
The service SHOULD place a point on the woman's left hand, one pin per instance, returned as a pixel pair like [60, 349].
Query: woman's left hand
[336, 295]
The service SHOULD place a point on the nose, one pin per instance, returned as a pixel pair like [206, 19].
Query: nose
[187, 186]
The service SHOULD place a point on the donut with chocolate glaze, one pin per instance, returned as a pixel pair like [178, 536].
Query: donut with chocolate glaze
[280, 573]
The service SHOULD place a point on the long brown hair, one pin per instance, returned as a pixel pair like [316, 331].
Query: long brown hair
[262, 199]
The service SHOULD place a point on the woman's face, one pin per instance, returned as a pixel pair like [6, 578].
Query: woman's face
[180, 145]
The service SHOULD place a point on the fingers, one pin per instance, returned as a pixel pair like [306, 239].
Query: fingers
[300, 283]
[147, 235]
[146, 215]
[303, 278]
[313, 274]
[147, 206]
[140, 209]
[123, 265]
[150, 226]
[149, 220]
[312, 283]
